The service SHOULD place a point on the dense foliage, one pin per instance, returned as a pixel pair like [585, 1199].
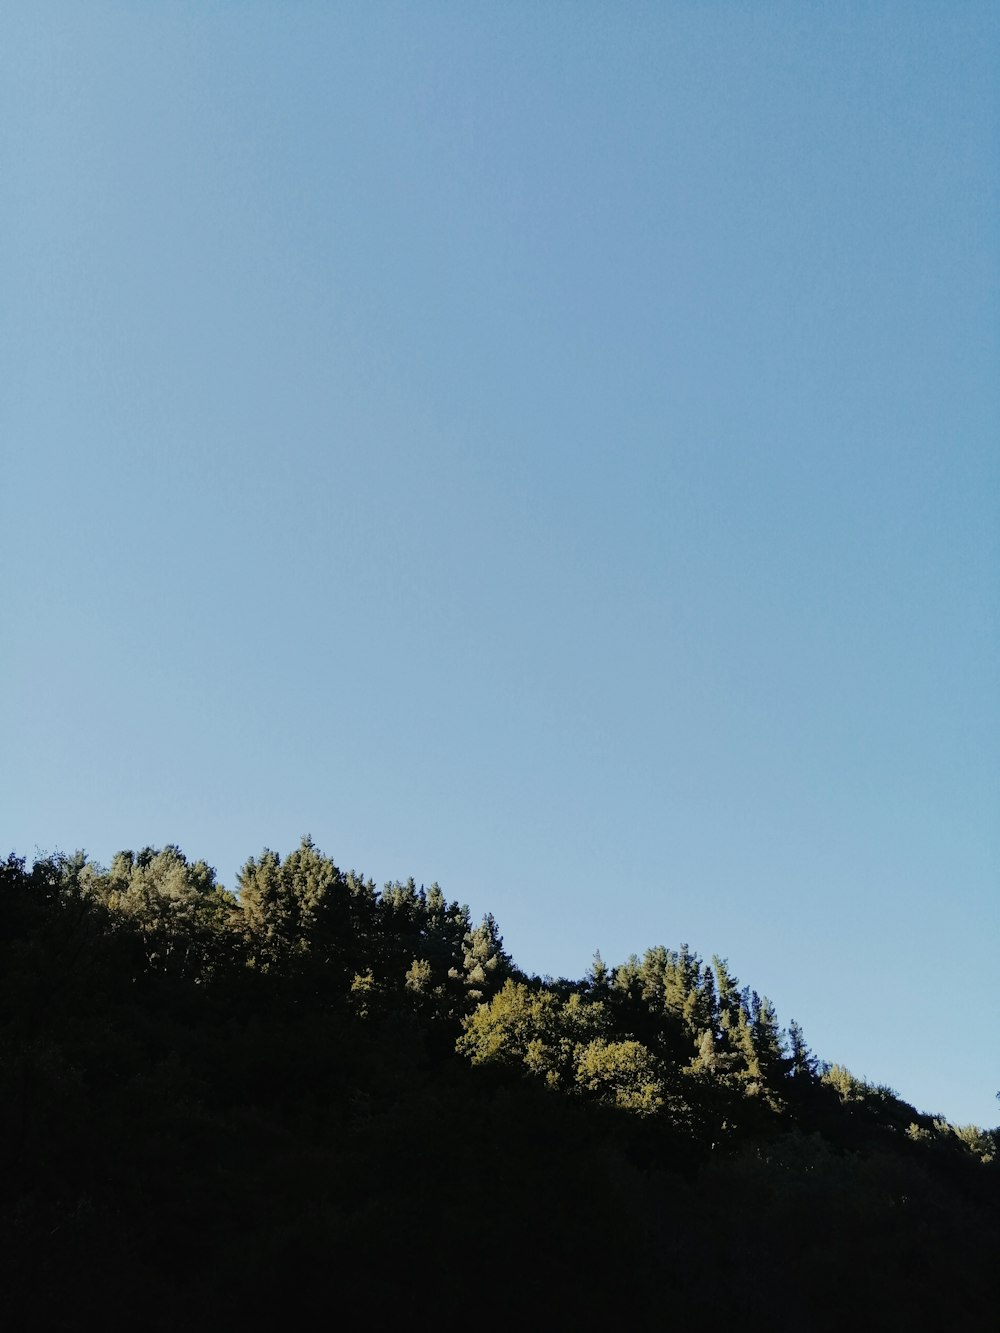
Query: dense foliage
[314, 1097]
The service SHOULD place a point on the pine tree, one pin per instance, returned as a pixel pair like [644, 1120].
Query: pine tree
[295, 908]
[486, 963]
[804, 1064]
[598, 979]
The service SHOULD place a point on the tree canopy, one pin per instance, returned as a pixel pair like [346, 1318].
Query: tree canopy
[220, 1105]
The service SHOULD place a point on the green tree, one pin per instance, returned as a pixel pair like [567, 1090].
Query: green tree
[533, 1030]
[598, 979]
[174, 905]
[804, 1064]
[296, 908]
[622, 1072]
[486, 962]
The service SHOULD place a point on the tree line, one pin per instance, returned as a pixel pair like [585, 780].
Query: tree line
[226, 1104]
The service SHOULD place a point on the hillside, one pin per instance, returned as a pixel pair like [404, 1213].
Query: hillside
[314, 1098]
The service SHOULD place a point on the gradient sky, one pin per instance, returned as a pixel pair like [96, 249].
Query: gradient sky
[549, 449]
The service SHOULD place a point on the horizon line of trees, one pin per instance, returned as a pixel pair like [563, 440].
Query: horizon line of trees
[312, 1098]
[664, 1035]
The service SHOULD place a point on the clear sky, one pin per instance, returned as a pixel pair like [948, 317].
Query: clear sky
[552, 449]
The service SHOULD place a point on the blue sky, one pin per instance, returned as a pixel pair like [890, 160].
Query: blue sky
[552, 450]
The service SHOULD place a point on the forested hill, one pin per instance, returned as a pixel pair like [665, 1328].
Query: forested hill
[313, 1099]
